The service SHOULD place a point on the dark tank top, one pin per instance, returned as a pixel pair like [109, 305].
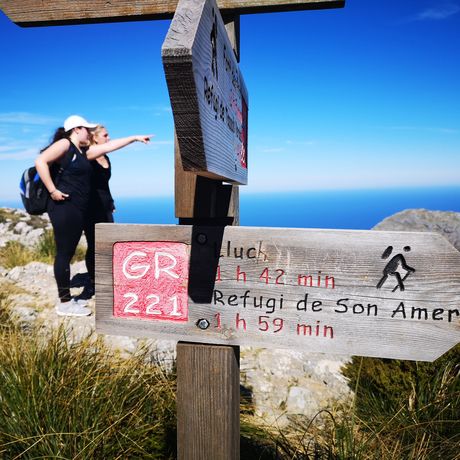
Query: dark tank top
[101, 198]
[75, 180]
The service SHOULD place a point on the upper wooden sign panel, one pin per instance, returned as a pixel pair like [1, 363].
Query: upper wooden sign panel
[49, 12]
[207, 92]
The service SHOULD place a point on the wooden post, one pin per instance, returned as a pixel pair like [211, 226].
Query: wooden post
[208, 402]
[208, 376]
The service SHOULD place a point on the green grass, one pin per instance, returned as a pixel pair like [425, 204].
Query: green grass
[15, 254]
[6, 216]
[80, 401]
[63, 400]
[411, 408]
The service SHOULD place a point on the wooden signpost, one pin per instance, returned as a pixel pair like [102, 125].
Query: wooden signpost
[207, 92]
[385, 294]
[329, 291]
[53, 12]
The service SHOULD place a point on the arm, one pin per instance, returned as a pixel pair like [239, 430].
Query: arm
[53, 153]
[98, 150]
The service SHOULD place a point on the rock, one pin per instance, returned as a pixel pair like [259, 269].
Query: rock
[283, 383]
[26, 314]
[21, 228]
[299, 400]
[35, 277]
[446, 223]
[122, 344]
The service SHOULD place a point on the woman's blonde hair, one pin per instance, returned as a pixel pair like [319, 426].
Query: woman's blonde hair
[94, 132]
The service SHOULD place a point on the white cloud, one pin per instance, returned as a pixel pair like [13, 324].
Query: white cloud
[270, 150]
[18, 155]
[27, 118]
[302, 143]
[12, 149]
[438, 13]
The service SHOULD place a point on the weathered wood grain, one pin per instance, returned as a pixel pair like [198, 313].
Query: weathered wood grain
[327, 281]
[187, 187]
[49, 12]
[207, 92]
[208, 389]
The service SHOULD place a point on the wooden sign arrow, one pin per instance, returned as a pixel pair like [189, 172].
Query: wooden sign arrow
[207, 92]
[368, 293]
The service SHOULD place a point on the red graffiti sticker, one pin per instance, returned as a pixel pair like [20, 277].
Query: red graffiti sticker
[150, 280]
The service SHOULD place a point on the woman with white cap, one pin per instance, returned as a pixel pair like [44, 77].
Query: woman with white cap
[70, 197]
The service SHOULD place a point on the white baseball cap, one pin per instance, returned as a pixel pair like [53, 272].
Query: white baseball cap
[75, 121]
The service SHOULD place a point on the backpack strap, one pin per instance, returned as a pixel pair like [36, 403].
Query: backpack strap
[67, 158]
[64, 163]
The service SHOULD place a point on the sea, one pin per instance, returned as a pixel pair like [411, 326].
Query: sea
[333, 209]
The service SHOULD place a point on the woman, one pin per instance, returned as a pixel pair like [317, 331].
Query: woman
[70, 196]
[101, 204]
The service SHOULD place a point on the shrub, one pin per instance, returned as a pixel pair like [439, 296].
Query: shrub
[63, 400]
[45, 249]
[6, 214]
[15, 254]
[411, 407]
[6, 322]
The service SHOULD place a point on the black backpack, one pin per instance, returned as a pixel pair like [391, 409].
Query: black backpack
[34, 194]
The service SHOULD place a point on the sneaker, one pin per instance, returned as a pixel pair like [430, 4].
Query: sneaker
[71, 308]
[87, 293]
[81, 302]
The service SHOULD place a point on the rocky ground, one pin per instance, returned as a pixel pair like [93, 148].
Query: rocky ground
[281, 382]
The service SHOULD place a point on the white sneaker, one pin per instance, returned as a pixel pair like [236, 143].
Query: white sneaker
[72, 308]
[81, 302]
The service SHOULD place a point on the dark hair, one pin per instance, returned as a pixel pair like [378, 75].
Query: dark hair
[59, 134]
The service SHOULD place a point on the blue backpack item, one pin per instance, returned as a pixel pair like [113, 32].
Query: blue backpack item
[34, 194]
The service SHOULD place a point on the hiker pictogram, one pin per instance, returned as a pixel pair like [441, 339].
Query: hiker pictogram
[393, 268]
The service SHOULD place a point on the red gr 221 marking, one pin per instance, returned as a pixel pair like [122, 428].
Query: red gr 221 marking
[150, 280]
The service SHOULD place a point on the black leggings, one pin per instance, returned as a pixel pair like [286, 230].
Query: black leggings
[94, 217]
[68, 223]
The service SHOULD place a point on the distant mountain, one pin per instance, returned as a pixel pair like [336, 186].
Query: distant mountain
[420, 220]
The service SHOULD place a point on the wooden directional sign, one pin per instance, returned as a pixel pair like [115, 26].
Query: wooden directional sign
[49, 12]
[382, 294]
[207, 91]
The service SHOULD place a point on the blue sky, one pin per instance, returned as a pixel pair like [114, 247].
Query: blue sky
[362, 97]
